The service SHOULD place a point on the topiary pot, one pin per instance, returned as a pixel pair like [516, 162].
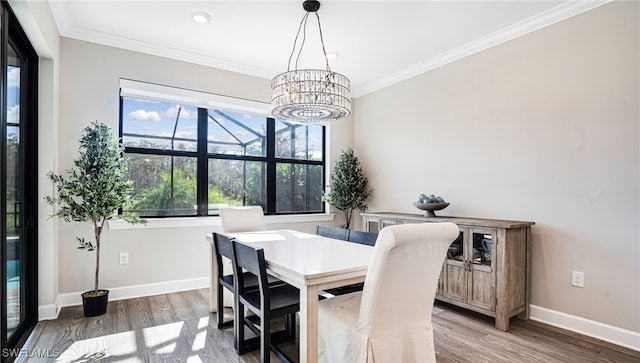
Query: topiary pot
[95, 304]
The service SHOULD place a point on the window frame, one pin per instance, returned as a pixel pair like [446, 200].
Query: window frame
[203, 156]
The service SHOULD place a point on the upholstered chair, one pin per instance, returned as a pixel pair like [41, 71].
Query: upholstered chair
[390, 320]
[242, 219]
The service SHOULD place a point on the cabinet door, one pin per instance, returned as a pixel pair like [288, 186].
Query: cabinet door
[454, 275]
[389, 222]
[371, 224]
[481, 280]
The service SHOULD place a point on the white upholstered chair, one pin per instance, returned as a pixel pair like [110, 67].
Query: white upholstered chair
[239, 219]
[390, 320]
[242, 219]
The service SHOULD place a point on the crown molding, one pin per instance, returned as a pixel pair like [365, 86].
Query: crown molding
[546, 18]
[163, 51]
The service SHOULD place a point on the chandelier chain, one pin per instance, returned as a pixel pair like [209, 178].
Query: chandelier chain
[304, 38]
[303, 27]
[322, 42]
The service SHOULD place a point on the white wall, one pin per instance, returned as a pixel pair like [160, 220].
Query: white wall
[544, 128]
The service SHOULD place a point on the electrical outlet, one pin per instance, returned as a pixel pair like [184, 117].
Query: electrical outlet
[577, 278]
[124, 258]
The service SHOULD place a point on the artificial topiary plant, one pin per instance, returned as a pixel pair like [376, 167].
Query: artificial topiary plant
[348, 186]
[96, 188]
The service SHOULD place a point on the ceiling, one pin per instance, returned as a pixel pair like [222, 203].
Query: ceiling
[379, 42]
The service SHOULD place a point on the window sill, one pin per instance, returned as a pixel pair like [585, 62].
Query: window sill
[119, 224]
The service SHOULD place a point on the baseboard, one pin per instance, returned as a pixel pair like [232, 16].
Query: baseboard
[48, 312]
[608, 333]
[134, 291]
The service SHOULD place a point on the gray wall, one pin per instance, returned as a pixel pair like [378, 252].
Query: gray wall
[543, 128]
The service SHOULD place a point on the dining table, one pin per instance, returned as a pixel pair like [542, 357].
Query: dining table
[309, 262]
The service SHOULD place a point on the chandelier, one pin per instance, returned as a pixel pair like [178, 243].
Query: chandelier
[310, 95]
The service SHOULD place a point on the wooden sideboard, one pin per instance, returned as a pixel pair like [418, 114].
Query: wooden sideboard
[487, 268]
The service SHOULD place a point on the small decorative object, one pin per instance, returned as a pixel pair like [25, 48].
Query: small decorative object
[430, 203]
[348, 186]
[92, 192]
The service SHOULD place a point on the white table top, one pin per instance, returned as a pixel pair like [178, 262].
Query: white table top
[307, 258]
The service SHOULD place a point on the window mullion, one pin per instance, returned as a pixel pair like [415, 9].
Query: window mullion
[271, 166]
[202, 184]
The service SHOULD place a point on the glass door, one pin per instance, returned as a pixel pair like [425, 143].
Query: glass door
[18, 187]
[14, 192]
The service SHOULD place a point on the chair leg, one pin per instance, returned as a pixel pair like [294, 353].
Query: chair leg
[220, 307]
[238, 317]
[265, 335]
[237, 324]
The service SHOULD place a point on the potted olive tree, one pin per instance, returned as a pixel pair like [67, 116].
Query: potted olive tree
[92, 192]
[348, 186]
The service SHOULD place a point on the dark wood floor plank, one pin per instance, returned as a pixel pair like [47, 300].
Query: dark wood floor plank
[179, 328]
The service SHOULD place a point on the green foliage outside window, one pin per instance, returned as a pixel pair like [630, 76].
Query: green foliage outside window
[177, 194]
[163, 160]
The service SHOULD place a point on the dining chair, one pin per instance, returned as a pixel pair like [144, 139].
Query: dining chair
[390, 320]
[332, 232]
[266, 302]
[365, 238]
[239, 219]
[224, 250]
[242, 219]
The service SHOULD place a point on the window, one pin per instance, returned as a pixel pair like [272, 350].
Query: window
[190, 159]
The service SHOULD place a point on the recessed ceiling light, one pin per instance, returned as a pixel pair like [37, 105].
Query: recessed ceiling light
[200, 17]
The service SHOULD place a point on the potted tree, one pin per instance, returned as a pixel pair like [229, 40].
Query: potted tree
[348, 186]
[92, 192]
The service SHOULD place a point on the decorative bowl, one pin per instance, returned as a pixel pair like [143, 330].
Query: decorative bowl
[429, 208]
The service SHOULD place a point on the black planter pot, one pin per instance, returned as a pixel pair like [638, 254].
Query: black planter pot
[95, 305]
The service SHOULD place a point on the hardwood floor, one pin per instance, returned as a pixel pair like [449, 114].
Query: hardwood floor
[179, 328]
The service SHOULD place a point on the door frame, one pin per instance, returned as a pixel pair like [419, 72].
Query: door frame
[11, 33]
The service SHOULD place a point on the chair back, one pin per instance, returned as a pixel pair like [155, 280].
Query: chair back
[395, 310]
[251, 259]
[365, 238]
[224, 248]
[332, 232]
[242, 219]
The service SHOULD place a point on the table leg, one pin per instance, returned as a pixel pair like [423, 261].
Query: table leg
[309, 324]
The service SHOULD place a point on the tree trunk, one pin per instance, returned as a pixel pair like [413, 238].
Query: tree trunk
[97, 230]
[347, 217]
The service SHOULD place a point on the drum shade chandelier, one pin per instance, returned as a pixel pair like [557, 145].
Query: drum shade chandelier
[310, 95]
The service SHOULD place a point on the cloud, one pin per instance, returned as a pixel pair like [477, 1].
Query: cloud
[13, 77]
[187, 134]
[13, 114]
[184, 112]
[143, 115]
